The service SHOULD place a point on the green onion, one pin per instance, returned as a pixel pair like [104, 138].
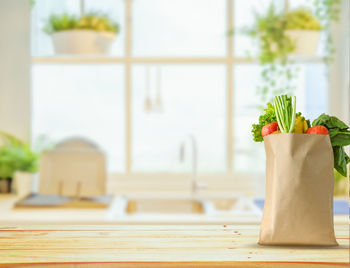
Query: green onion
[285, 112]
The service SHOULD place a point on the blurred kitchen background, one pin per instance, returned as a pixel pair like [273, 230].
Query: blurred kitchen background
[144, 113]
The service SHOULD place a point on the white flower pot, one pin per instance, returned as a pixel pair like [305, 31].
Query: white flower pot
[306, 42]
[23, 183]
[82, 42]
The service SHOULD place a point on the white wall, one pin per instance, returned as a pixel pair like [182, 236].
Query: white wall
[15, 67]
[339, 96]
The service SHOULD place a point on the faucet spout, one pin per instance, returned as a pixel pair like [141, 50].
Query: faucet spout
[192, 139]
[193, 142]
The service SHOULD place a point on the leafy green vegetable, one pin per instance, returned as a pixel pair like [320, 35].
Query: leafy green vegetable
[339, 138]
[341, 159]
[268, 117]
[285, 112]
[307, 121]
[339, 134]
[91, 21]
[15, 155]
[329, 122]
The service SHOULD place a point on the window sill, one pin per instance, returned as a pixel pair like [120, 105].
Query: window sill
[153, 60]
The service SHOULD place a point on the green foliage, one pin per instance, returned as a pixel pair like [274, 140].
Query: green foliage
[276, 79]
[341, 159]
[339, 134]
[302, 19]
[58, 23]
[91, 21]
[330, 122]
[15, 155]
[278, 71]
[327, 11]
[268, 117]
[270, 29]
[31, 3]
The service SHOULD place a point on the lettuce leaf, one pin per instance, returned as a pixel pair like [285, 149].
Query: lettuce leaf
[268, 117]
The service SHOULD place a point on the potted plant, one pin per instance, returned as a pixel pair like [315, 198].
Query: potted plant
[15, 156]
[303, 29]
[281, 34]
[89, 34]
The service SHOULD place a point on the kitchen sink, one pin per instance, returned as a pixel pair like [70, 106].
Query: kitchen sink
[164, 206]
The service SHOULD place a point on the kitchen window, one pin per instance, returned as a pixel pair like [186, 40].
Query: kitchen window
[173, 71]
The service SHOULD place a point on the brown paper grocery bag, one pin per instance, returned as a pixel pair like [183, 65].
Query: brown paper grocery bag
[298, 206]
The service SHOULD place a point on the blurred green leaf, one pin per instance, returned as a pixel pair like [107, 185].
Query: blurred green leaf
[92, 21]
[15, 155]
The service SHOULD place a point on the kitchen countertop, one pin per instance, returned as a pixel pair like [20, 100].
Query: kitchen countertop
[159, 246]
[96, 216]
[50, 216]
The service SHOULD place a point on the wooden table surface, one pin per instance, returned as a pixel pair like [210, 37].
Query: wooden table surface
[158, 246]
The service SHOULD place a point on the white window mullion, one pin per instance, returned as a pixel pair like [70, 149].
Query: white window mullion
[82, 7]
[229, 94]
[286, 6]
[128, 108]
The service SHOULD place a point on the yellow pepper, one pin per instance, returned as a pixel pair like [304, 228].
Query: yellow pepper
[299, 124]
[305, 126]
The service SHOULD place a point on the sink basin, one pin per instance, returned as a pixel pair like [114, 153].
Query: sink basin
[164, 206]
[173, 208]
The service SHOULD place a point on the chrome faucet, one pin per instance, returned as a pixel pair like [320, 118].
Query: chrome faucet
[195, 186]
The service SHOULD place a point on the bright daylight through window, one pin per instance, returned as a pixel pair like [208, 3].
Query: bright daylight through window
[173, 71]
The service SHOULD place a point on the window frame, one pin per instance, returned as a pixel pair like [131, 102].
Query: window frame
[128, 60]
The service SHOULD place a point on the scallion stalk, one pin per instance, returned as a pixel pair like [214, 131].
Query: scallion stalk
[292, 122]
[285, 109]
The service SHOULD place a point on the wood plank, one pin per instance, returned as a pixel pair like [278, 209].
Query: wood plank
[182, 264]
[162, 246]
[341, 228]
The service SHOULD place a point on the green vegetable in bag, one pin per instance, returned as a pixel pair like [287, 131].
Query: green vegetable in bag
[339, 134]
[268, 117]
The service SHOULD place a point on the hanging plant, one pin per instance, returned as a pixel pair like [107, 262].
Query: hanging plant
[92, 21]
[277, 36]
[327, 11]
[91, 33]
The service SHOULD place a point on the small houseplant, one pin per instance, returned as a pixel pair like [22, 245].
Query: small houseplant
[92, 33]
[280, 35]
[303, 29]
[15, 156]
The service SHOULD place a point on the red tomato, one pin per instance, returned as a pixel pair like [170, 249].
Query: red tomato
[269, 129]
[318, 130]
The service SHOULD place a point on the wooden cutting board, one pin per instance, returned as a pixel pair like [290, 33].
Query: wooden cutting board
[158, 246]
